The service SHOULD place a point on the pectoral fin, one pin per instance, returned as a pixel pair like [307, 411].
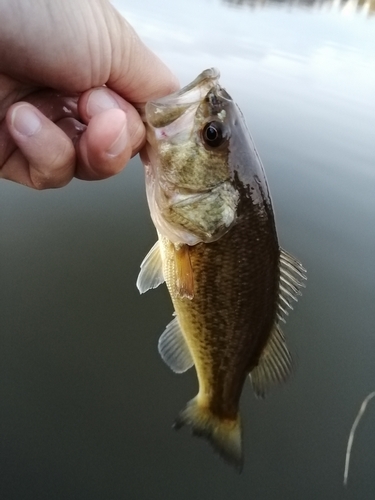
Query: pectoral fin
[184, 284]
[151, 273]
[173, 348]
[274, 364]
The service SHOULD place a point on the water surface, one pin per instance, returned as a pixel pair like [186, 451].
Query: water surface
[86, 405]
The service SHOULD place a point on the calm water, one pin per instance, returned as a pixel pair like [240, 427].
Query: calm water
[86, 405]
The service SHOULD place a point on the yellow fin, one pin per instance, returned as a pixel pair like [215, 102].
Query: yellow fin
[224, 435]
[184, 286]
[274, 365]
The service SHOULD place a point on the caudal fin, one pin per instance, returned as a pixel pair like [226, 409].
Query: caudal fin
[225, 435]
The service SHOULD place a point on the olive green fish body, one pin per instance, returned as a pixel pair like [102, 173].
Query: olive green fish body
[219, 255]
[228, 321]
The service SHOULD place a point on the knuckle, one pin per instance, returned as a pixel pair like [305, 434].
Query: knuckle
[57, 169]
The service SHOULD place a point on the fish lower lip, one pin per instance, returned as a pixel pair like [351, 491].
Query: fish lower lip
[144, 156]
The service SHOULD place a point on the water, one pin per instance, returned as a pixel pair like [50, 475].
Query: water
[86, 405]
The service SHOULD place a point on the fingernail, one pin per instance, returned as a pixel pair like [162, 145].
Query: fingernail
[25, 120]
[119, 144]
[100, 100]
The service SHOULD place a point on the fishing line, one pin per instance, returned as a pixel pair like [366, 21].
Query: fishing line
[352, 432]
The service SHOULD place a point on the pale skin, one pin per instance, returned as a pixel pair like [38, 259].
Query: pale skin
[71, 74]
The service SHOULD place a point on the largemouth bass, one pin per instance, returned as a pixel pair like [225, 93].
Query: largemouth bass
[218, 252]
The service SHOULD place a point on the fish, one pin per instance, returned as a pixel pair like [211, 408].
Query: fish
[217, 250]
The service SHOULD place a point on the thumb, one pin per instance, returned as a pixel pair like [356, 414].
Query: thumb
[137, 74]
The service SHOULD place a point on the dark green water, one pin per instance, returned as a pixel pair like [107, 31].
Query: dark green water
[86, 404]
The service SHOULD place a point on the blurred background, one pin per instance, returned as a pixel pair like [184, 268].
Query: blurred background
[86, 404]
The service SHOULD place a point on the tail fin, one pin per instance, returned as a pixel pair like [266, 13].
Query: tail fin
[224, 435]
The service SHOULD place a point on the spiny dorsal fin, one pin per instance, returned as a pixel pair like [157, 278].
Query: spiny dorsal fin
[151, 273]
[173, 348]
[274, 364]
[292, 274]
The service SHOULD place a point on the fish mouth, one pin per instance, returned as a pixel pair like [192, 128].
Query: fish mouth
[161, 112]
[207, 78]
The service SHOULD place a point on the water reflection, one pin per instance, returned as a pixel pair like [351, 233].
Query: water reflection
[86, 404]
[345, 6]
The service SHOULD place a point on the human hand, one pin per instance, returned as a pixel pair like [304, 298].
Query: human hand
[57, 120]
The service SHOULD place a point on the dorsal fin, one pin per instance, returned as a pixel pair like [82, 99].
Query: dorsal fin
[291, 274]
[173, 348]
[151, 273]
[274, 364]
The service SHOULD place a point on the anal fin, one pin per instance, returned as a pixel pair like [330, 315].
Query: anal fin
[173, 348]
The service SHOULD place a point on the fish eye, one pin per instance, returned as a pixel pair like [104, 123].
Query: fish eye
[213, 134]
